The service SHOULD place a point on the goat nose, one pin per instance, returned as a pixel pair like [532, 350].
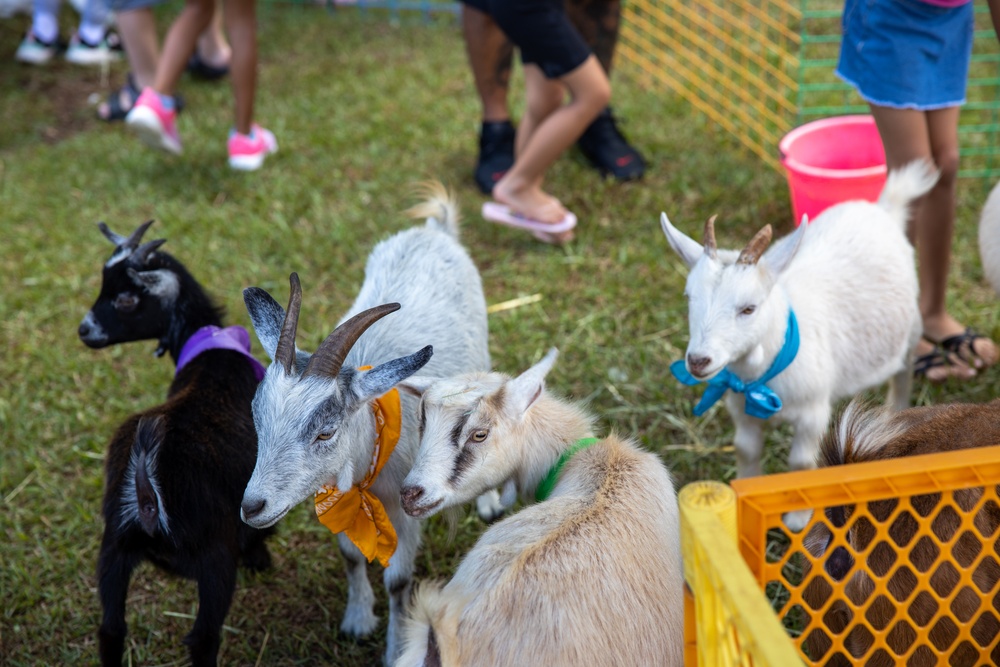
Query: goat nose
[697, 365]
[410, 495]
[253, 507]
[84, 330]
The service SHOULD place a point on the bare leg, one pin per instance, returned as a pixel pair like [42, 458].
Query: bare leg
[490, 56]
[137, 28]
[241, 24]
[909, 135]
[547, 136]
[138, 32]
[213, 49]
[180, 43]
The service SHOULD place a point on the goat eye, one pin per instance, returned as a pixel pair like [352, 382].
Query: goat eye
[325, 435]
[748, 310]
[126, 302]
[479, 436]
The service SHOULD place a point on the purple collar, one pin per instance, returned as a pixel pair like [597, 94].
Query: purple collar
[215, 338]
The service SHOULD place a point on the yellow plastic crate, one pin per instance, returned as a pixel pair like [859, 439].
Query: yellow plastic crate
[925, 542]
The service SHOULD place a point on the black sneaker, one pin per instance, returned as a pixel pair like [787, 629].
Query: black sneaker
[604, 146]
[496, 153]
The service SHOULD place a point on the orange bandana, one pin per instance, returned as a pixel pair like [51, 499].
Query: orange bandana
[357, 512]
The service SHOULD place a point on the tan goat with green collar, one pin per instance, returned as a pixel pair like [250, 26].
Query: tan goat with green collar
[590, 575]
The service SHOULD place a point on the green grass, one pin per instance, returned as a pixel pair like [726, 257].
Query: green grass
[363, 109]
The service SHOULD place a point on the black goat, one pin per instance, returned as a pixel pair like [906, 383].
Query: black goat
[175, 474]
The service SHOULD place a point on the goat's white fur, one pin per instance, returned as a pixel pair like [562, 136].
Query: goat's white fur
[851, 280]
[129, 494]
[590, 576]
[989, 238]
[430, 274]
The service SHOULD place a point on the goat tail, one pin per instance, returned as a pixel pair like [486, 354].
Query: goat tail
[863, 433]
[904, 185]
[439, 207]
[430, 633]
[142, 501]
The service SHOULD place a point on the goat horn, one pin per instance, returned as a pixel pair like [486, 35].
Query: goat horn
[141, 254]
[117, 239]
[709, 240]
[285, 352]
[332, 352]
[758, 244]
[135, 237]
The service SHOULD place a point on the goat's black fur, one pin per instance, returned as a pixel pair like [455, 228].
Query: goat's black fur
[175, 474]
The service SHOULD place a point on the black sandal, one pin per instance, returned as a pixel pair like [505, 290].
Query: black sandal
[963, 346]
[202, 70]
[939, 357]
[933, 359]
[116, 111]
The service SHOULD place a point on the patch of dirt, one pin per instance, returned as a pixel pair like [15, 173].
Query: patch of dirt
[49, 102]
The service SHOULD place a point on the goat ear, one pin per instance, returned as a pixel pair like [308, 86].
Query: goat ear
[160, 282]
[369, 384]
[416, 384]
[782, 253]
[686, 247]
[525, 389]
[267, 315]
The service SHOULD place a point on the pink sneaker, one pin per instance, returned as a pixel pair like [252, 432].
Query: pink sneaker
[247, 151]
[154, 123]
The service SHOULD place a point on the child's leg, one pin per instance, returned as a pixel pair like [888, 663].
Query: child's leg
[94, 21]
[909, 135]
[213, 49]
[241, 24]
[138, 32]
[520, 187]
[180, 43]
[45, 19]
[935, 223]
[543, 97]
[490, 57]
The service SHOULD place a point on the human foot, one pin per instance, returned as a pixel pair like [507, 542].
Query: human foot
[960, 341]
[937, 365]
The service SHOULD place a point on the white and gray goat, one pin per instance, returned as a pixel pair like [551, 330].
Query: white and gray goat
[850, 280]
[590, 575]
[314, 423]
[989, 238]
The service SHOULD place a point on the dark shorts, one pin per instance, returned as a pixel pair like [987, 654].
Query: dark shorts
[542, 32]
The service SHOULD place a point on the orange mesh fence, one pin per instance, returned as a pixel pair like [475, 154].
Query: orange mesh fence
[899, 563]
[759, 68]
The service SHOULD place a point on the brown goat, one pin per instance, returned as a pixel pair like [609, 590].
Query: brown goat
[865, 435]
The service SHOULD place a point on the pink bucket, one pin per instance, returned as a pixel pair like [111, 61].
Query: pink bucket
[832, 160]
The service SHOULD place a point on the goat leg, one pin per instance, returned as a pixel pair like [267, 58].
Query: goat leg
[749, 437]
[216, 583]
[398, 578]
[114, 571]
[255, 555]
[359, 618]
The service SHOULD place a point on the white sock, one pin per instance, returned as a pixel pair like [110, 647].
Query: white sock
[45, 26]
[91, 33]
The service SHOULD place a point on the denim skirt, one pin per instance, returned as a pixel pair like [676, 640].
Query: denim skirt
[907, 54]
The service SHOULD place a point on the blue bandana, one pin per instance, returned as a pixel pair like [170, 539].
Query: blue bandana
[761, 401]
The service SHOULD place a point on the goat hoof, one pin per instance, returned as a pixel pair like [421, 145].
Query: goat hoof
[796, 521]
[358, 623]
[489, 507]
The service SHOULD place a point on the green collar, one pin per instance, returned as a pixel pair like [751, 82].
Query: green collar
[549, 481]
